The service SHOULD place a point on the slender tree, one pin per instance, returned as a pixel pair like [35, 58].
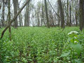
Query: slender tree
[58, 17]
[67, 13]
[70, 16]
[27, 15]
[61, 13]
[15, 3]
[76, 16]
[46, 13]
[3, 13]
[9, 19]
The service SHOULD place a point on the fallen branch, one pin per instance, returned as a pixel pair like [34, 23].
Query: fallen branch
[14, 19]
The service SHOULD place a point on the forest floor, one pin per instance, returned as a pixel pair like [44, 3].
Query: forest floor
[42, 45]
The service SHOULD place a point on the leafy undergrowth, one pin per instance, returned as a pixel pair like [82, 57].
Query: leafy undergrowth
[42, 45]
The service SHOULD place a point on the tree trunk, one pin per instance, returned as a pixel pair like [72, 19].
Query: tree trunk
[9, 19]
[70, 16]
[27, 16]
[46, 14]
[67, 13]
[61, 13]
[58, 17]
[15, 3]
[81, 14]
[3, 14]
[76, 17]
[20, 19]
[38, 18]
[51, 18]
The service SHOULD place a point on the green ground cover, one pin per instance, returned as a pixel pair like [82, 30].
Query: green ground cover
[42, 45]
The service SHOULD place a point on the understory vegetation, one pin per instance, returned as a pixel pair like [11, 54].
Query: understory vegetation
[42, 45]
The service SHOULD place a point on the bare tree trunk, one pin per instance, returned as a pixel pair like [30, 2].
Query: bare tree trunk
[27, 16]
[51, 18]
[67, 13]
[38, 18]
[46, 14]
[9, 19]
[14, 18]
[58, 17]
[3, 14]
[81, 14]
[20, 19]
[15, 3]
[61, 13]
[70, 16]
[76, 15]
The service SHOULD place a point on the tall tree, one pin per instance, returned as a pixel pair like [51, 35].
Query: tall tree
[76, 16]
[20, 20]
[15, 4]
[61, 13]
[70, 16]
[46, 14]
[81, 14]
[27, 15]
[3, 13]
[58, 17]
[42, 15]
[20, 16]
[9, 19]
[67, 12]
[51, 18]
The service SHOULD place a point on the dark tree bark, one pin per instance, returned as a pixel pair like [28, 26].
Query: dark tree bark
[27, 16]
[76, 16]
[15, 3]
[70, 16]
[38, 18]
[58, 17]
[81, 14]
[61, 13]
[67, 13]
[51, 18]
[46, 13]
[9, 19]
[20, 20]
[3, 14]
[14, 19]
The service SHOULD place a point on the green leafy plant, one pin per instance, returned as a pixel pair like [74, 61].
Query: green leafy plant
[72, 48]
[42, 45]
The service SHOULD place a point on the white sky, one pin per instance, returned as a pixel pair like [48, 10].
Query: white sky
[52, 1]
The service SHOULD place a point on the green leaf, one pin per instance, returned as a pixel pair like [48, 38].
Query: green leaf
[65, 54]
[77, 48]
[78, 61]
